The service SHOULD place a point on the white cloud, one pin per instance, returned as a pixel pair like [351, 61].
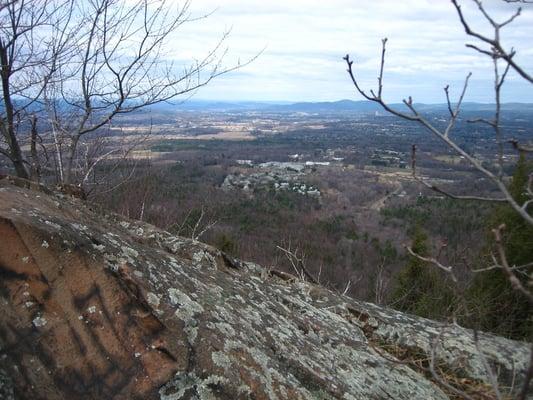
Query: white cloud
[305, 42]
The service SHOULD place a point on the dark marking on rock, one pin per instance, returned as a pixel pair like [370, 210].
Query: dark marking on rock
[9, 274]
[82, 300]
[82, 349]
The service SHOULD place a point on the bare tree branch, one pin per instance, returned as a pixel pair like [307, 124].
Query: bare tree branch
[85, 63]
[521, 147]
[497, 49]
[298, 263]
[442, 135]
[434, 261]
[515, 282]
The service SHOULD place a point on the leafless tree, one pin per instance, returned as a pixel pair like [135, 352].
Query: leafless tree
[198, 228]
[296, 258]
[85, 63]
[381, 283]
[32, 39]
[503, 60]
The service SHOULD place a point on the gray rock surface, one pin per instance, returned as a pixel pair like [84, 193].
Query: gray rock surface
[97, 306]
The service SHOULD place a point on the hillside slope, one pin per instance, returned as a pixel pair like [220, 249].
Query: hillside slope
[95, 306]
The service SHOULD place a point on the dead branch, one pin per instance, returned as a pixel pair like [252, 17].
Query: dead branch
[442, 135]
[206, 227]
[496, 265]
[434, 261]
[298, 263]
[347, 287]
[521, 147]
[496, 48]
[497, 53]
[513, 279]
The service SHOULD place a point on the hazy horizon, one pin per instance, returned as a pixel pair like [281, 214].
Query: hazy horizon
[276, 102]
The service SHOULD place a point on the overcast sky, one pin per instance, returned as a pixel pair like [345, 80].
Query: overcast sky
[304, 42]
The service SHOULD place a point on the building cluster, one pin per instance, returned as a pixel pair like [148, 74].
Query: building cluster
[388, 158]
[273, 175]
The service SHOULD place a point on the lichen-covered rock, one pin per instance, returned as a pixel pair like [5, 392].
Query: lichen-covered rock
[95, 306]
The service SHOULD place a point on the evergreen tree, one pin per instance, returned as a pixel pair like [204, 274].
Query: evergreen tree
[419, 288]
[497, 306]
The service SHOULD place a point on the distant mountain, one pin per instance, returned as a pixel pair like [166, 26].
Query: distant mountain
[307, 107]
[372, 107]
[328, 107]
[478, 107]
[206, 105]
[324, 107]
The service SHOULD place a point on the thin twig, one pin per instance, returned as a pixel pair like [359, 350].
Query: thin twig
[434, 261]
[515, 282]
[298, 264]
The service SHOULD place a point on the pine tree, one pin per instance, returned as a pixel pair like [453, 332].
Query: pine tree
[419, 288]
[497, 306]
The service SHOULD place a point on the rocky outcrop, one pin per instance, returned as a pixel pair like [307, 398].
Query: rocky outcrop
[95, 306]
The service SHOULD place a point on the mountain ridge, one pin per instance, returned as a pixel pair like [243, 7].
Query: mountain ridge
[344, 105]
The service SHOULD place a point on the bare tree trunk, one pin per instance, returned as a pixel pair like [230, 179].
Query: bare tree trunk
[9, 130]
[68, 169]
[59, 154]
[35, 164]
